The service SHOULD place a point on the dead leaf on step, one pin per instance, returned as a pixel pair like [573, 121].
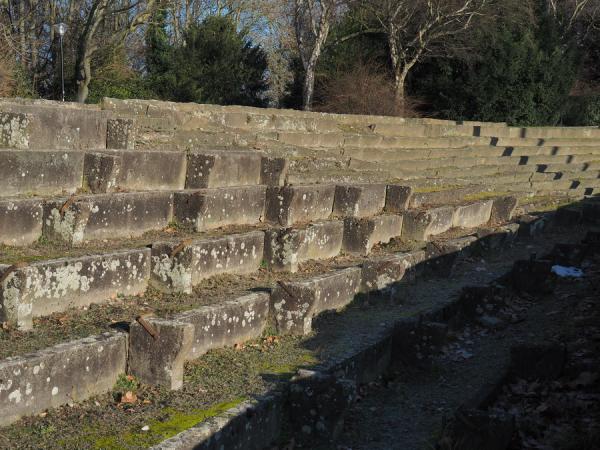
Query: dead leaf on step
[128, 397]
[271, 340]
[238, 346]
[62, 319]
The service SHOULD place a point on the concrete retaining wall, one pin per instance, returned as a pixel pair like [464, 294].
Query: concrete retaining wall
[40, 172]
[106, 216]
[45, 287]
[53, 125]
[178, 267]
[65, 373]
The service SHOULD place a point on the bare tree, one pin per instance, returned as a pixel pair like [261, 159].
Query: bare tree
[414, 27]
[570, 13]
[92, 25]
[312, 21]
[136, 14]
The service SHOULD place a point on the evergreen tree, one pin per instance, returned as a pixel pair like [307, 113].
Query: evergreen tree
[217, 65]
[520, 75]
[159, 55]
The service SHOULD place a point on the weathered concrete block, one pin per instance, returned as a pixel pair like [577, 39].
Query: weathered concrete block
[442, 256]
[160, 359]
[359, 200]
[44, 287]
[20, 221]
[136, 171]
[65, 373]
[40, 172]
[285, 248]
[273, 171]
[416, 341]
[60, 126]
[531, 226]
[100, 172]
[503, 209]
[227, 323]
[120, 134]
[497, 237]
[360, 235]
[381, 275]
[295, 304]
[289, 205]
[14, 130]
[178, 267]
[385, 275]
[397, 198]
[420, 224]
[106, 216]
[441, 197]
[472, 215]
[214, 169]
[318, 403]
[533, 276]
[207, 209]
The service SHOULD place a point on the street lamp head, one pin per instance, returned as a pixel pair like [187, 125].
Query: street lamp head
[62, 29]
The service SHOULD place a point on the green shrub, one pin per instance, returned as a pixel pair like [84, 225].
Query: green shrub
[582, 111]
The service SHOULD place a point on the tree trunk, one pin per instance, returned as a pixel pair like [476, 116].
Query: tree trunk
[309, 86]
[399, 92]
[83, 70]
[84, 76]
[22, 36]
[309, 78]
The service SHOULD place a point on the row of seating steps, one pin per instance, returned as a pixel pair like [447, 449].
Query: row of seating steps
[147, 205]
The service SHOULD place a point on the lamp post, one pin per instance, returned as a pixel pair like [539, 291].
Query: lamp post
[62, 29]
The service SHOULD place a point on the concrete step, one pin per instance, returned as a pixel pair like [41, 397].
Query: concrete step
[158, 347]
[43, 287]
[39, 172]
[556, 132]
[44, 173]
[543, 142]
[416, 164]
[402, 154]
[51, 125]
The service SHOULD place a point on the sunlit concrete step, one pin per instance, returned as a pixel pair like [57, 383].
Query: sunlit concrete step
[158, 347]
[402, 154]
[42, 124]
[40, 172]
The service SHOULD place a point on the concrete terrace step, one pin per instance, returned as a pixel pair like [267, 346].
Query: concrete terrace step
[466, 152]
[49, 125]
[236, 116]
[186, 336]
[47, 286]
[58, 172]
[415, 164]
[77, 219]
[487, 130]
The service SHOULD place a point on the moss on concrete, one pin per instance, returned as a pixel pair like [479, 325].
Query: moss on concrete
[173, 423]
[485, 195]
[437, 188]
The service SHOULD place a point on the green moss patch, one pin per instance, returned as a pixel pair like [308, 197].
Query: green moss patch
[172, 423]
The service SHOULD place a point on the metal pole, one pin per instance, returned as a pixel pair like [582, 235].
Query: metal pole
[62, 68]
